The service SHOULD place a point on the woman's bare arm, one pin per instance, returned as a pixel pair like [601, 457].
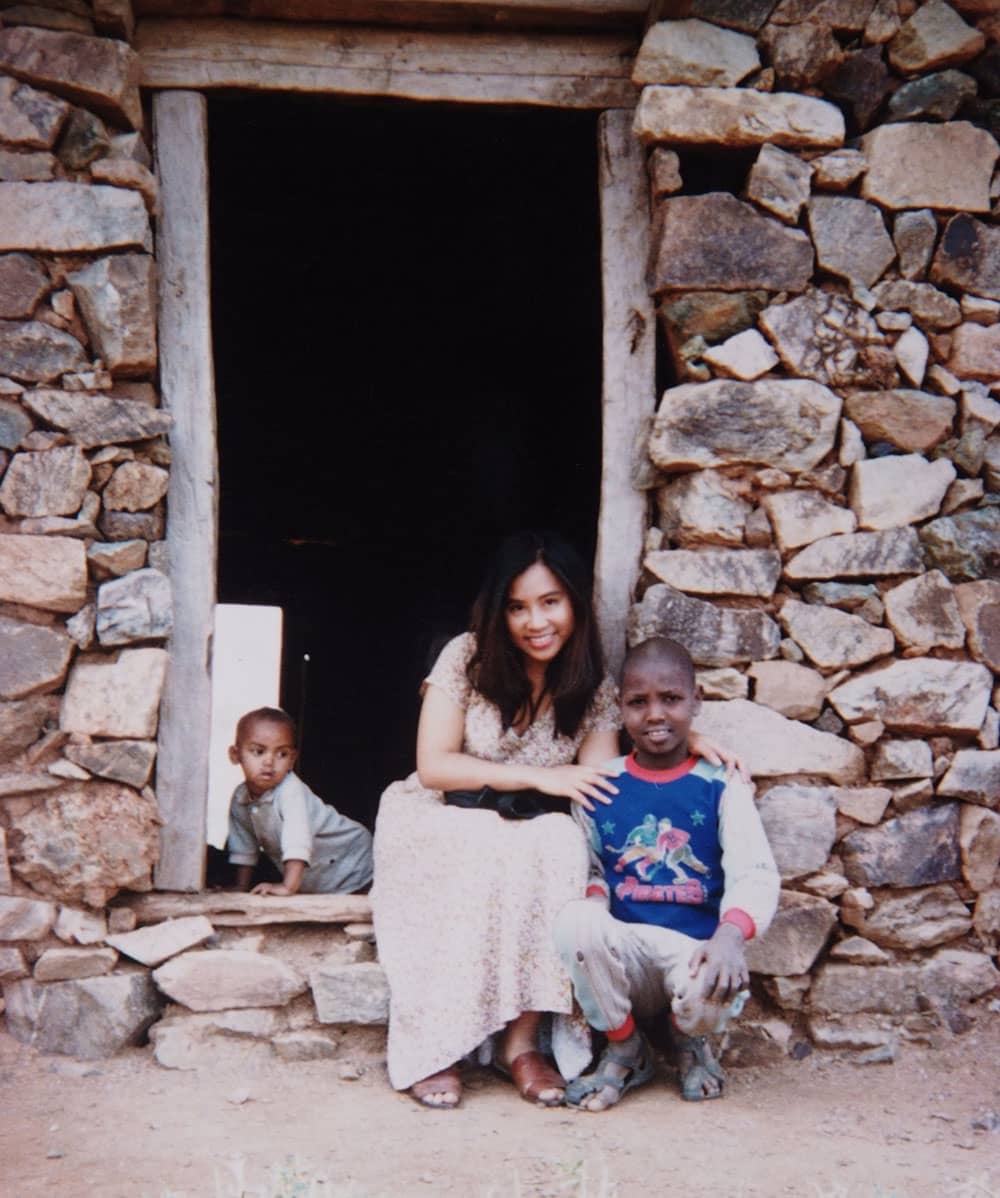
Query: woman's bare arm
[441, 764]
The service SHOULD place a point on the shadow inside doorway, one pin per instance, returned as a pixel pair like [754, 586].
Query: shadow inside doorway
[407, 324]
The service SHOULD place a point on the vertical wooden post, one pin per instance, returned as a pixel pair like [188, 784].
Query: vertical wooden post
[186, 378]
[629, 388]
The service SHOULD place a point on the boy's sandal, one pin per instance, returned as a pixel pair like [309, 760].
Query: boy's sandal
[637, 1066]
[446, 1081]
[532, 1075]
[701, 1076]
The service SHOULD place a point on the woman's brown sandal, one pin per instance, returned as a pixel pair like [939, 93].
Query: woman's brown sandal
[532, 1074]
[444, 1082]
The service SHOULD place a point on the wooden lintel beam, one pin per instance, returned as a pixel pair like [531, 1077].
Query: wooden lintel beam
[589, 71]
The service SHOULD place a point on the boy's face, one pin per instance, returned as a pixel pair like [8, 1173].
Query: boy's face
[266, 754]
[658, 704]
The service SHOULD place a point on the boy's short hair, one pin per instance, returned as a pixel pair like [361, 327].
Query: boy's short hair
[271, 715]
[661, 648]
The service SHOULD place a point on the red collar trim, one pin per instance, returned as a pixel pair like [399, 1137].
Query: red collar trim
[637, 771]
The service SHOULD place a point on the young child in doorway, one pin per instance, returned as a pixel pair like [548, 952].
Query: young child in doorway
[318, 850]
[681, 876]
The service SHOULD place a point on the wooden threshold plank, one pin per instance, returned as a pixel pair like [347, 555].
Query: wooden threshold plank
[590, 71]
[236, 909]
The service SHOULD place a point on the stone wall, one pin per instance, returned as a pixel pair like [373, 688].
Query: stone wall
[824, 475]
[824, 478]
[84, 603]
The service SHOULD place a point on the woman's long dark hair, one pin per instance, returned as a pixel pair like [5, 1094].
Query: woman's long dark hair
[497, 667]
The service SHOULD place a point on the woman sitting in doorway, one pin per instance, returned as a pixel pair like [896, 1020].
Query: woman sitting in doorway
[464, 900]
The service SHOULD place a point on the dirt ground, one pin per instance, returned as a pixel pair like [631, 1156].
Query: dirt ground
[820, 1127]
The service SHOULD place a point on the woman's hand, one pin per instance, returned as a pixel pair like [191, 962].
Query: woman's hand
[703, 746]
[580, 783]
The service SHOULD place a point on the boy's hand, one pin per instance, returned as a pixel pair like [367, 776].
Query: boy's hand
[278, 888]
[715, 754]
[721, 963]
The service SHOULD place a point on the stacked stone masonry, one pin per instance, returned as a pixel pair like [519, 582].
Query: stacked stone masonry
[824, 485]
[825, 533]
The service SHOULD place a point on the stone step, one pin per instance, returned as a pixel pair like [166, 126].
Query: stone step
[236, 909]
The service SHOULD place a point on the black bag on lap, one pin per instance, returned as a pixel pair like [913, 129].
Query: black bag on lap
[510, 804]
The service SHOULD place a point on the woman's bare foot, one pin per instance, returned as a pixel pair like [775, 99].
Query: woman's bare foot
[442, 1090]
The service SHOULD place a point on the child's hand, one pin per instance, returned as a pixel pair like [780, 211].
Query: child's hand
[721, 963]
[715, 754]
[278, 888]
[580, 783]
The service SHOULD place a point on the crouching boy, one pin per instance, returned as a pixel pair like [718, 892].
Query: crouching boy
[681, 877]
[318, 850]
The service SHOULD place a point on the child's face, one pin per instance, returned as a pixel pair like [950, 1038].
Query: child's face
[658, 704]
[266, 754]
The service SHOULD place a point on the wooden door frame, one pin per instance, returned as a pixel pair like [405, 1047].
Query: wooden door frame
[177, 80]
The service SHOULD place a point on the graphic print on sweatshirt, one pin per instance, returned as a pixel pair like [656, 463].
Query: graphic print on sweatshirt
[658, 844]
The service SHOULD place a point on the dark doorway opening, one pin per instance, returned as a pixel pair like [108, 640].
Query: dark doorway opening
[406, 311]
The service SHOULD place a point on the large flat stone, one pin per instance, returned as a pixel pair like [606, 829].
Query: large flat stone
[919, 848]
[86, 841]
[714, 636]
[137, 607]
[351, 993]
[128, 761]
[901, 489]
[159, 942]
[828, 337]
[135, 487]
[858, 555]
[792, 690]
[974, 775]
[979, 608]
[117, 299]
[96, 418]
[801, 516]
[913, 165]
[975, 352]
[735, 117]
[98, 73]
[800, 929]
[935, 36]
[46, 572]
[696, 53]
[865, 804]
[48, 483]
[702, 508]
[920, 695]
[774, 746]
[923, 613]
[850, 238]
[801, 826]
[979, 839]
[28, 117]
[69, 964]
[25, 919]
[966, 547]
[717, 241]
[66, 218]
[23, 282]
[949, 977]
[115, 695]
[717, 571]
[787, 423]
[32, 658]
[214, 980]
[90, 1019]
[33, 351]
[913, 919]
[968, 257]
[914, 421]
[833, 639]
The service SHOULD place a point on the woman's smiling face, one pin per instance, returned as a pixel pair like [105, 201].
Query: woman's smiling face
[540, 616]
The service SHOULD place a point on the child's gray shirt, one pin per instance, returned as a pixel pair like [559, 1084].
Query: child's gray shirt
[291, 823]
